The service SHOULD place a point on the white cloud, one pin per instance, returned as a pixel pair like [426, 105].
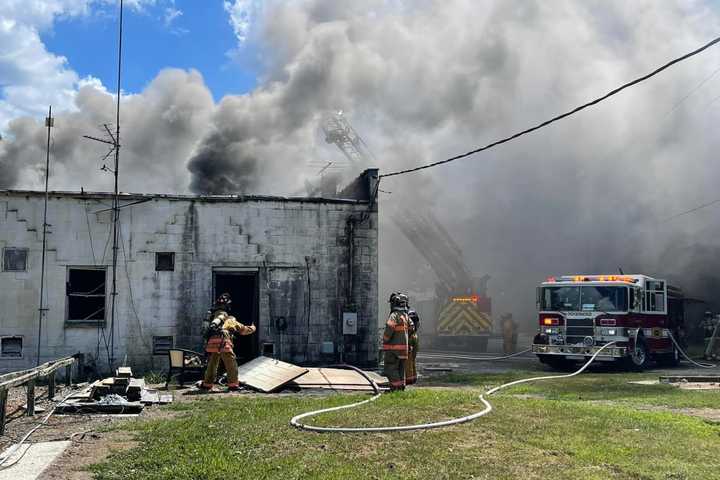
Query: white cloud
[242, 15]
[32, 77]
[171, 14]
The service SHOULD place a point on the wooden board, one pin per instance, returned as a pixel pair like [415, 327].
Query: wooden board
[337, 378]
[266, 374]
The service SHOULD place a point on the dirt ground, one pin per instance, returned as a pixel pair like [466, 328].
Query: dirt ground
[91, 440]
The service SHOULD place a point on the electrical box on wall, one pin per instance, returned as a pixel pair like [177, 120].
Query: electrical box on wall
[349, 323]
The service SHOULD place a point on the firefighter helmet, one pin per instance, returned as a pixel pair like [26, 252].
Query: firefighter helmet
[414, 317]
[398, 301]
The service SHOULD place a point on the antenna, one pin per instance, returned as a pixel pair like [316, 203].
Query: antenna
[49, 123]
[114, 143]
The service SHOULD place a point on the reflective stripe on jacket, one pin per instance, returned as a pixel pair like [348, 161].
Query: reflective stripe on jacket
[395, 337]
[219, 344]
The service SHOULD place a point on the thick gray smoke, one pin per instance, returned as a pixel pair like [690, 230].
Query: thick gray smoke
[425, 80]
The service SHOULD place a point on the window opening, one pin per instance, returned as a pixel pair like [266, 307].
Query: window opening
[86, 295]
[15, 259]
[11, 347]
[164, 261]
[161, 344]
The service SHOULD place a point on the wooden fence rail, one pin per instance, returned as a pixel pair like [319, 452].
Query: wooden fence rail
[29, 377]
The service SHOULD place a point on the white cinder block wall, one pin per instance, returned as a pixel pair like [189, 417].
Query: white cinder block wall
[298, 249]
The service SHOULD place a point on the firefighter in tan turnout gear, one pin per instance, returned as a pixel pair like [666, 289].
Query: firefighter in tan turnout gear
[413, 344]
[219, 346]
[395, 341]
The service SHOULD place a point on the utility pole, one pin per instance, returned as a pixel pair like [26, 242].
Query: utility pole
[114, 143]
[116, 207]
[49, 123]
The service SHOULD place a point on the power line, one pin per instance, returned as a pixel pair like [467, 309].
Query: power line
[561, 116]
[686, 212]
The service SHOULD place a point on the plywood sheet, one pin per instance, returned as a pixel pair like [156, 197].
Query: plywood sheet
[337, 378]
[266, 374]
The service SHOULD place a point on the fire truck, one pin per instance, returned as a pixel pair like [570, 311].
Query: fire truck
[579, 314]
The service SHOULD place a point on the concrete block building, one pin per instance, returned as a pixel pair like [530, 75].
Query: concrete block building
[304, 270]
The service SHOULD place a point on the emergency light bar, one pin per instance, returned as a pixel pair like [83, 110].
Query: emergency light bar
[592, 278]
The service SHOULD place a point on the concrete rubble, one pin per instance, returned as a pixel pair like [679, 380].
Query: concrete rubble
[121, 394]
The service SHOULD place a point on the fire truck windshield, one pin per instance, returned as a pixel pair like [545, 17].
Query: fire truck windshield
[585, 298]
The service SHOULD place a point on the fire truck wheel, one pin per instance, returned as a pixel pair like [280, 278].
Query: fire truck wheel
[640, 358]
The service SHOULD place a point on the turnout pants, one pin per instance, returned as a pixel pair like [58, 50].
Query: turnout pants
[411, 369]
[395, 370]
[228, 359]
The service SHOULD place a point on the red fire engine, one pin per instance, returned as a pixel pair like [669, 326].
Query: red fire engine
[579, 314]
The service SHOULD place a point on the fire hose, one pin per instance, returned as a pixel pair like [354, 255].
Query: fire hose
[682, 352]
[296, 420]
[470, 357]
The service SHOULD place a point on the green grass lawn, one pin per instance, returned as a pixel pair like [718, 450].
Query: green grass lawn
[566, 434]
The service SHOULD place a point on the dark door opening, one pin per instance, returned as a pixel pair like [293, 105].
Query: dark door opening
[242, 287]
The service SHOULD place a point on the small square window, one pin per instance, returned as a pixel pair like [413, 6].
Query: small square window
[11, 347]
[15, 259]
[164, 261]
[161, 345]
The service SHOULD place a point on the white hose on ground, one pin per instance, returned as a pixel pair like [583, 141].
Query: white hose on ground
[682, 352]
[295, 421]
[469, 357]
[17, 446]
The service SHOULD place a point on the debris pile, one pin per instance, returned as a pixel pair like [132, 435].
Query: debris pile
[693, 382]
[121, 394]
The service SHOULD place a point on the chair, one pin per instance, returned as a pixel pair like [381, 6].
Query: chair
[184, 361]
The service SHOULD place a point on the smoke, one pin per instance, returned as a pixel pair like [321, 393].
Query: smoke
[425, 80]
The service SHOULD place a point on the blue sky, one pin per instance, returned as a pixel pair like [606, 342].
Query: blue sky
[49, 49]
[200, 38]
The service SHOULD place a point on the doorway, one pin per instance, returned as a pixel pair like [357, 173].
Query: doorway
[243, 289]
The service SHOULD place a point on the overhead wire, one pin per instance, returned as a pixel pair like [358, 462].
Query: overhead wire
[130, 290]
[561, 116]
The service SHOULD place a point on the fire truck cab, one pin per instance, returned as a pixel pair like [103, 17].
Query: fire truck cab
[579, 314]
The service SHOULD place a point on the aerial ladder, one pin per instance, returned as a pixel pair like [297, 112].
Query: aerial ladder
[462, 309]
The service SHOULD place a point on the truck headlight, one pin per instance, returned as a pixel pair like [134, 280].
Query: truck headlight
[551, 330]
[610, 332]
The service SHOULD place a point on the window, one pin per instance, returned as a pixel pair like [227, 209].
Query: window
[655, 297]
[164, 261]
[585, 298]
[11, 347]
[161, 345]
[86, 295]
[15, 259]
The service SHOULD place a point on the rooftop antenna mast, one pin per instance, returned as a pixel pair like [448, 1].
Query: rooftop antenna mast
[114, 142]
[49, 123]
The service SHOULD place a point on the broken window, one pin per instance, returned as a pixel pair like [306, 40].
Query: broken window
[86, 295]
[164, 261]
[11, 347]
[161, 345]
[15, 259]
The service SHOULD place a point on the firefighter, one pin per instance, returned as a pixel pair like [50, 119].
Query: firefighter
[413, 343]
[219, 346]
[395, 341]
[222, 304]
[509, 332]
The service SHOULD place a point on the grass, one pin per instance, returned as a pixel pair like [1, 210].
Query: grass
[563, 435]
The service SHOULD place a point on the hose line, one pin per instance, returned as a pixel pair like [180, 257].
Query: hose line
[469, 357]
[701, 365]
[296, 420]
